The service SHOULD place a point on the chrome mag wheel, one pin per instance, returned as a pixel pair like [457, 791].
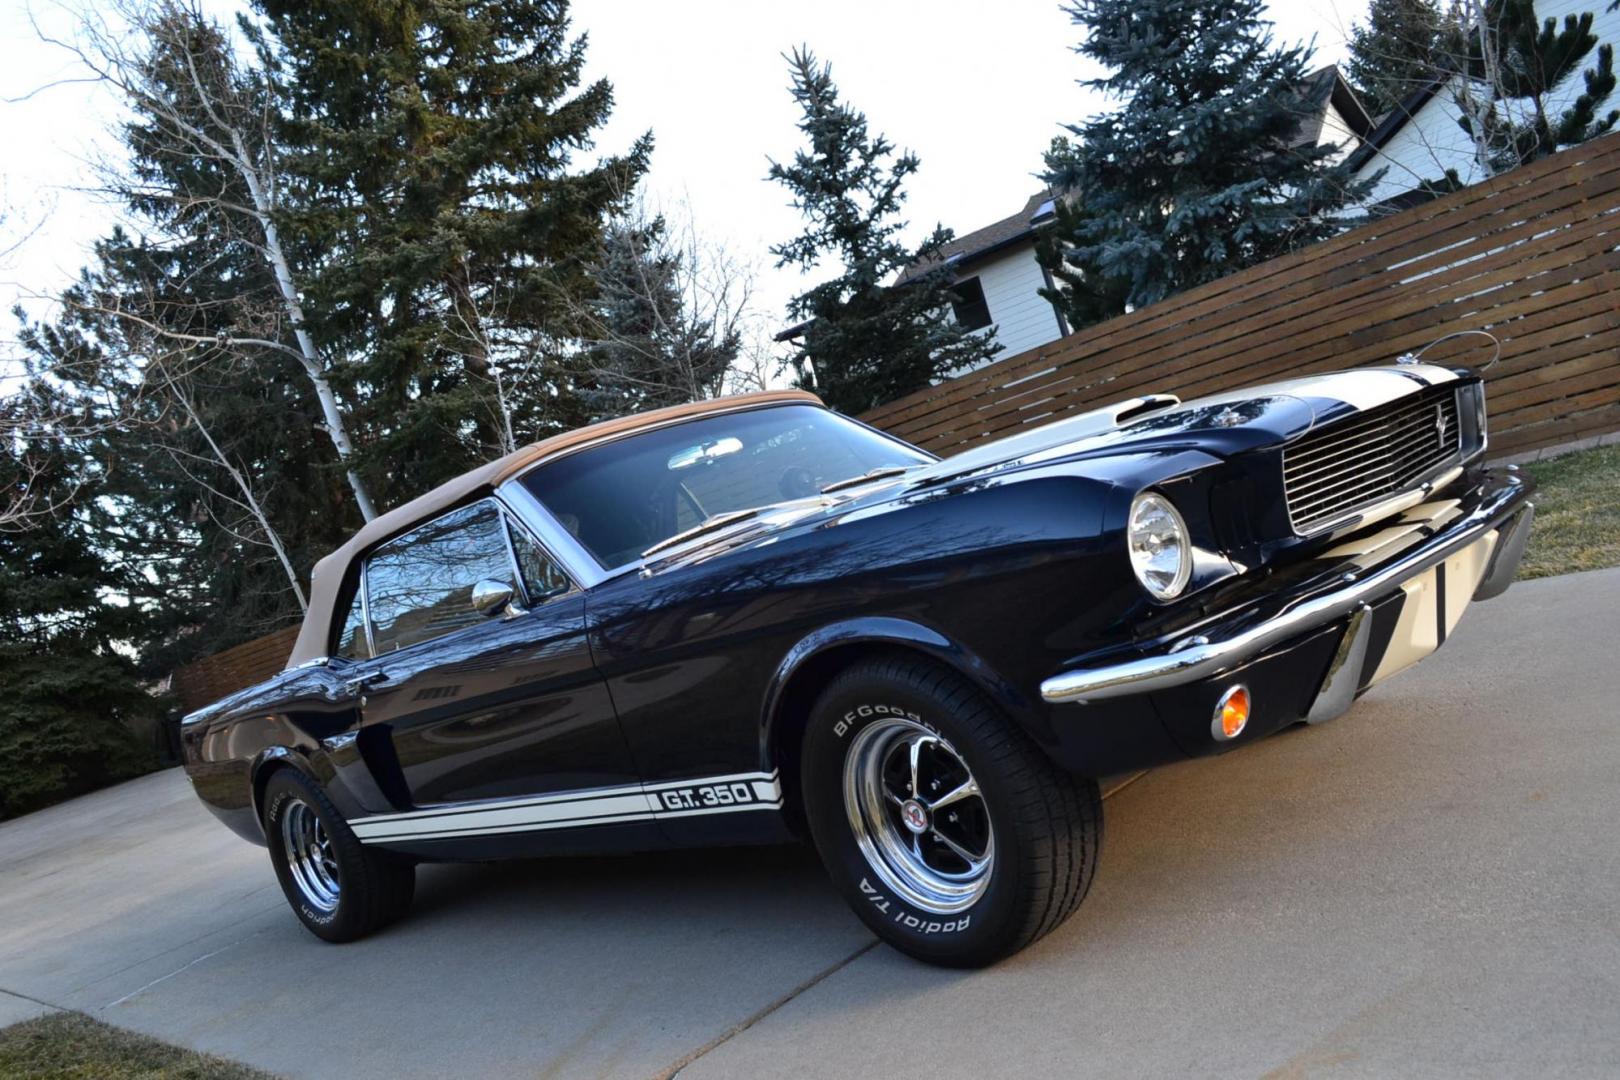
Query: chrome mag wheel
[918, 815]
[308, 851]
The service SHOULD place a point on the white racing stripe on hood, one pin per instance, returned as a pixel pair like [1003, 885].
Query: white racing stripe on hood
[1364, 389]
[1360, 388]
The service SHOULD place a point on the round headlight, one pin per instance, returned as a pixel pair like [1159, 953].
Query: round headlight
[1161, 551]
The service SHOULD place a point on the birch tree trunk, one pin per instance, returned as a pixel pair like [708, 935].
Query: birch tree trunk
[277, 257]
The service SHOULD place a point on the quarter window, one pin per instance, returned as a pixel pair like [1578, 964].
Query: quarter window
[352, 643]
[542, 577]
[419, 586]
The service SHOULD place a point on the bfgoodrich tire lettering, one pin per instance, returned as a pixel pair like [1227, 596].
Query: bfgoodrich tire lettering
[1041, 830]
[354, 891]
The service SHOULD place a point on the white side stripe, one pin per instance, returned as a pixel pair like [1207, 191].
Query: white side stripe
[597, 806]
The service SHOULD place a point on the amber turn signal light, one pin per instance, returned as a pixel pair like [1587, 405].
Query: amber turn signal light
[1231, 713]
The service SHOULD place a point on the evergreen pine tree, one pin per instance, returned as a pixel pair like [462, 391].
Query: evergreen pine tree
[1196, 174]
[441, 216]
[1398, 50]
[1520, 61]
[867, 341]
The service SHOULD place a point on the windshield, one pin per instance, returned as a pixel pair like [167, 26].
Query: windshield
[622, 497]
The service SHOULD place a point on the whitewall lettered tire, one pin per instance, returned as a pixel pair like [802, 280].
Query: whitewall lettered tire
[948, 831]
[337, 888]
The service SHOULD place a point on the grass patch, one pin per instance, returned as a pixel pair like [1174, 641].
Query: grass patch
[1577, 524]
[68, 1046]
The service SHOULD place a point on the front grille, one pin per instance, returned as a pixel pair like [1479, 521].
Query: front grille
[1355, 462]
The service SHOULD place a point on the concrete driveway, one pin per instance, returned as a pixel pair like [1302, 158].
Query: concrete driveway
[1429, 886]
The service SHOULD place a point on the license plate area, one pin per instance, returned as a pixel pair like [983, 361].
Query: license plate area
[1432, 604]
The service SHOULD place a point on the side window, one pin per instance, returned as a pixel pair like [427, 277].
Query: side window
[352, 643]
[542, 577]
[419, 586]
[968, 304]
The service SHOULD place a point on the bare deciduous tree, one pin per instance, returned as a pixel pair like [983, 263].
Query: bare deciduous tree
[671, 319]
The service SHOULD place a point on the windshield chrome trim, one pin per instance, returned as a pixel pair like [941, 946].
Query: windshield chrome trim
[570, 554]
[365, 606]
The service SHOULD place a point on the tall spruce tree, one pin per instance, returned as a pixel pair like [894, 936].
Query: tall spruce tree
[867, 341]
[441, 214]
[1199, 172]
[1401, 48]
[1520, 61]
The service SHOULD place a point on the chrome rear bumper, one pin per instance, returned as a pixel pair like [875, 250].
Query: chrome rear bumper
[1505, 508]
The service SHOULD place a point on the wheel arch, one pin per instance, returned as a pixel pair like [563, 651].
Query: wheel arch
[266, 764]
[821, 655]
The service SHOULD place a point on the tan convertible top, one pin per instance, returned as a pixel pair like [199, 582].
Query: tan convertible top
[327, 578]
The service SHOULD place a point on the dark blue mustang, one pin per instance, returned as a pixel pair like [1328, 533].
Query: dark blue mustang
[752, 618]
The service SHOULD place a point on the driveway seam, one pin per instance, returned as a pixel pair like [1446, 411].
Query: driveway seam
[732, 1032]
[183, 967]
[189, 943]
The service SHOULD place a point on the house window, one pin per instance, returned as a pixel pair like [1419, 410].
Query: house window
[968, 304]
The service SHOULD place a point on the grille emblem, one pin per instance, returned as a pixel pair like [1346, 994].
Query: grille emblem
[1441, 423]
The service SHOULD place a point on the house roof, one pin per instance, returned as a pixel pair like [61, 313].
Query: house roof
[326, 580]
[990, 239]
[1327, 86]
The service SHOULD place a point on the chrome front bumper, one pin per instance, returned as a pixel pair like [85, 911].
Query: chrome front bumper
[1506, 509]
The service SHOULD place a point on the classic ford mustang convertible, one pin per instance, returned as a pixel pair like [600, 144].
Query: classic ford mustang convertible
[744, 619]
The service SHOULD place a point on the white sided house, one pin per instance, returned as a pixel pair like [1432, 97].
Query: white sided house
[998, 280]
[1420, 140]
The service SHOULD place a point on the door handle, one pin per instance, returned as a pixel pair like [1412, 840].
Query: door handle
[354, 686]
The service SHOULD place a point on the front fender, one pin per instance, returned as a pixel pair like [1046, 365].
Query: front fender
[788, 695]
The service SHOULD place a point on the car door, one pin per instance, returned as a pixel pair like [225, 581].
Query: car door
[482, 705]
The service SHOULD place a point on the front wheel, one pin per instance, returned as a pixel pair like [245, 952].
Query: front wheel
[337, 888]
[948, 831]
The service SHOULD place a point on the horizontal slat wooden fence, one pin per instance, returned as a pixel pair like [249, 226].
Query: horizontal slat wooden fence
[205, 681]
[1533, 256]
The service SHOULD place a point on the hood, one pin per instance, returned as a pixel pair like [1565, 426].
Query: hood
[1222, 424]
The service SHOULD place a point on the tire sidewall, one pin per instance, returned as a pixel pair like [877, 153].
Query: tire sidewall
[283, 789]
[966, 937]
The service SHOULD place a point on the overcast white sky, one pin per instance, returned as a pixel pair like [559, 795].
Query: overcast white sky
[977, 89]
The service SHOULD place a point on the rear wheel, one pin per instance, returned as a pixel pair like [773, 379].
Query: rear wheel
[338, 889]
[953, 837]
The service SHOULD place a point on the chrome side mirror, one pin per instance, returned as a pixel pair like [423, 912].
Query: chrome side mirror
[490, 597]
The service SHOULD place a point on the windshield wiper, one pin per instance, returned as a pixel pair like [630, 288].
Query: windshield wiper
[709, 524]
[881, 473]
